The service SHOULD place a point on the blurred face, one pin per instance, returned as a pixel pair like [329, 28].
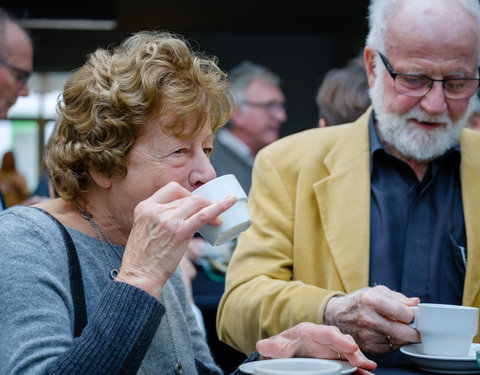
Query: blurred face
[258, 120]
[157, 158]
[442, 45]
[18, 54]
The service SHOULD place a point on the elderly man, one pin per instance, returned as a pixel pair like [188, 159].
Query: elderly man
[16, 62]
[354, 224]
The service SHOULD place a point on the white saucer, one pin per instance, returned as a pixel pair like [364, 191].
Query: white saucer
[347, 368]
[441, 364]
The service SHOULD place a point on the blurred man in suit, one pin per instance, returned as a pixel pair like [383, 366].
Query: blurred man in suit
[256, 122]
[16, 64]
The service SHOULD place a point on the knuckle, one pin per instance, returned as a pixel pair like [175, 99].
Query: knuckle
[364, 319]
[199, 201]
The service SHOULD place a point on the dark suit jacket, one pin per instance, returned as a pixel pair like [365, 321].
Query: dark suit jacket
[226, 161]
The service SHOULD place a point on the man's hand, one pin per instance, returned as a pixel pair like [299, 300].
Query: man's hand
[377, 318]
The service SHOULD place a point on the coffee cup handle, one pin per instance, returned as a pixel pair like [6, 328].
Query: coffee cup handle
[413, 324]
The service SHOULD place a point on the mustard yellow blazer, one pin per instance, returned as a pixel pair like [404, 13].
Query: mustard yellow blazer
[310, 205]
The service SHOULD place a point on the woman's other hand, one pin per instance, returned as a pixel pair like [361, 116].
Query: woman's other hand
[311, 340]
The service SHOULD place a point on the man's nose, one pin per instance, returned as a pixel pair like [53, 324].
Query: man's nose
[24, 90]
[434, 101]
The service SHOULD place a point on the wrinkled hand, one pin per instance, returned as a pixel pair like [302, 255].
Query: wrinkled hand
[162, 228]
[311, 340]
[377, 318]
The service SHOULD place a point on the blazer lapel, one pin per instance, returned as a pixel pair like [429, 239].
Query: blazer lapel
[470, 177]
[344, 204]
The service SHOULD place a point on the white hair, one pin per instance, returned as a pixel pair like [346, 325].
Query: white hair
[244, 73]
[382, 11]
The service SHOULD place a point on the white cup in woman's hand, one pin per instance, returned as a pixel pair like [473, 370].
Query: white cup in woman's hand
[234, 220]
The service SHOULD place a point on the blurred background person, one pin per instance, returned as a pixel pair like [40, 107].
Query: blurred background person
[44, 189]
[16, 64]
[12, 183]
[343, 94]
[256, 122]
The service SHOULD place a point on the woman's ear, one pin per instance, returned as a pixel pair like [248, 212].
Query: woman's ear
[101, 180]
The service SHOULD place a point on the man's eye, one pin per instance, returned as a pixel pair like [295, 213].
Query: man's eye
[18, 77]
[413, 81]
[456, 84]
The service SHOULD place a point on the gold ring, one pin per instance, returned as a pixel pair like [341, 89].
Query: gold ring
[390, 345]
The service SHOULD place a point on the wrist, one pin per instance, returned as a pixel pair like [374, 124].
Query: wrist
[329, 312]
[152, 287]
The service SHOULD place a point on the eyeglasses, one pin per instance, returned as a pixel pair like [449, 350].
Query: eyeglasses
[419, 85]
[22, 75]
[271, 106]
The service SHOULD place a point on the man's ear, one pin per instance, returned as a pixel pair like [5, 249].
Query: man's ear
[369, 55]
[101, 180]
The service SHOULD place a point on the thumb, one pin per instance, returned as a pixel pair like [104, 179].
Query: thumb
[276, 348]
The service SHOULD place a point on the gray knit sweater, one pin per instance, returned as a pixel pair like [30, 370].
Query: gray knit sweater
[126, 326]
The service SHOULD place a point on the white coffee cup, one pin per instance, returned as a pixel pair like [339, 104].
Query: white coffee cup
[234, 220]
[297, 366]
[445, 330]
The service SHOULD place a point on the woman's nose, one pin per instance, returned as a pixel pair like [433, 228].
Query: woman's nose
[203, 171]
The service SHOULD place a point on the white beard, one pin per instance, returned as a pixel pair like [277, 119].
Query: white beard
[412, 141]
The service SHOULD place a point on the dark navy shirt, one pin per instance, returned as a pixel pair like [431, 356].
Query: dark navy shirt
[417, 228]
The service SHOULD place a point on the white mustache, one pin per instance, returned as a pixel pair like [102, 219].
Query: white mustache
[419, 115]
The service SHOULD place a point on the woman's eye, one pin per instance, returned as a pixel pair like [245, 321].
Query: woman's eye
[181, 151]
[208, 151]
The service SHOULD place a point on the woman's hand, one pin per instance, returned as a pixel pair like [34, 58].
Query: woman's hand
[311, 340]
[163, 226]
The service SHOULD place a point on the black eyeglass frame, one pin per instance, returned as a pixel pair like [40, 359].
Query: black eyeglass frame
[23, 73]
[394, 75]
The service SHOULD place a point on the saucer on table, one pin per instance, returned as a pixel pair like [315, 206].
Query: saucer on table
[442, 364]
[347, 368]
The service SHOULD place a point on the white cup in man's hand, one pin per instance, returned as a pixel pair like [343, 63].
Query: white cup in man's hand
[234, 220]
[446, 330]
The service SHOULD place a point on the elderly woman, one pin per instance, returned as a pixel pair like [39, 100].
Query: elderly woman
[133, 141]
